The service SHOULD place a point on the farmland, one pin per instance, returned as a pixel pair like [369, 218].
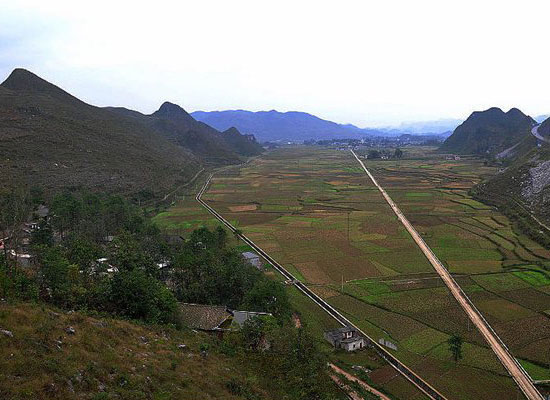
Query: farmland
[316, 212]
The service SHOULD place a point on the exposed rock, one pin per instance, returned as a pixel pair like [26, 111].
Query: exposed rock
[70, 330]
[6, 332]
[538, 180]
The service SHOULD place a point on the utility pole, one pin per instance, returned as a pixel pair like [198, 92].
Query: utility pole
[348, 224]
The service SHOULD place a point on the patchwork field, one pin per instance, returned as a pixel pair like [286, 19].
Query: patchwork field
[316, 212]
[508, 273]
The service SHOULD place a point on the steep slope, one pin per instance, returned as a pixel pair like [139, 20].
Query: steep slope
[52, 139]
[107, 358]
[274, 126]
[522, 189]
[242, 144]
[489, 132]
[544, 128]
[175, 124]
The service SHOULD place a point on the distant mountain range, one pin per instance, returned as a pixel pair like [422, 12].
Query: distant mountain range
[278, 126]
[489, 132]
[52, 139]
[300, 126]
[442, 127]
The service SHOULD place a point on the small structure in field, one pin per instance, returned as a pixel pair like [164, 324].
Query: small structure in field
[253, 259]
[346, 338]
[387, 343]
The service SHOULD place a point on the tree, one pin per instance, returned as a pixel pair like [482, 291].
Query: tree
[373, 154]
[455, 347]
[127, 254]
[84, 253]
[15, 207]
[268, 296]
[398, 153]
[43, 236]
[66, 211]
[137, 295]
[55, 274]
[256, 332]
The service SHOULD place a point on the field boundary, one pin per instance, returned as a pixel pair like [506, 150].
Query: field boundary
[405, 371]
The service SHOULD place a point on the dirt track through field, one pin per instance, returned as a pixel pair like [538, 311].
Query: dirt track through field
[513, 367]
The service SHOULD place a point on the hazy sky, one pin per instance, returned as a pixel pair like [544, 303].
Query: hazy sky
[363, 62]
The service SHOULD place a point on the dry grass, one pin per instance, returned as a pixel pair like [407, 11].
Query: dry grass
[107, 358]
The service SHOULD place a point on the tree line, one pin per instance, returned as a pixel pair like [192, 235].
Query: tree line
[100, 253]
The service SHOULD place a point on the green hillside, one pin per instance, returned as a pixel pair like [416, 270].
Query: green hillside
[51, 139]
[489, 132]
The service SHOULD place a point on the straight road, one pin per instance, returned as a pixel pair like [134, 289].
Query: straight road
[405, 371]
[499, 348]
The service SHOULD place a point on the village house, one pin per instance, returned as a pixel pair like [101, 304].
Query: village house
[205, 317]
[253, 259]
[346, 338]
[240, 317]
[210, 318]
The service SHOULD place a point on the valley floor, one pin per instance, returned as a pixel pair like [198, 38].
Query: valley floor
[316, 212]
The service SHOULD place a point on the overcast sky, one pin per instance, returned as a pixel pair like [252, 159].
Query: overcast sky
[365, 62]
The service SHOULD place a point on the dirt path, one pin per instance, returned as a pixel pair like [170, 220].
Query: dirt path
[499, 348]
[364, 385]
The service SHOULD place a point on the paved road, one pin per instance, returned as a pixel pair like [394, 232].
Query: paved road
[405, 371]
[499, 348]
[535, 132]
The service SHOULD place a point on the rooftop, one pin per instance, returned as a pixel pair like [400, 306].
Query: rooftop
[204, 317]
[250, 255]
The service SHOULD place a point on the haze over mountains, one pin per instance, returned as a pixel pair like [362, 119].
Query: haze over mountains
[299, 126]
[52, 139]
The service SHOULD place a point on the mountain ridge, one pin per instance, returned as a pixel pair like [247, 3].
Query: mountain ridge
[280, 126]
[489, 132]
[50, 138]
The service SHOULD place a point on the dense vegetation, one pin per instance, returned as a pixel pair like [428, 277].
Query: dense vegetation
[99, 255]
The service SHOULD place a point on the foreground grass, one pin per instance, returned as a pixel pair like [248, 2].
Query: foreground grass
[108, 358]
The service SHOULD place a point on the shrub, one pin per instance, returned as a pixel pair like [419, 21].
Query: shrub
[136, 295]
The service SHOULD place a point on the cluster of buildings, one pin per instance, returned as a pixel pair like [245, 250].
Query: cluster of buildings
[19, 244]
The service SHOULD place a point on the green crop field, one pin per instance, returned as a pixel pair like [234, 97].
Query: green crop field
[317, 213]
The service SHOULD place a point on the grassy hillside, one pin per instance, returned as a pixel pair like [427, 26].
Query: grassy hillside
[52, 139]
[107, 358]
[489, 132]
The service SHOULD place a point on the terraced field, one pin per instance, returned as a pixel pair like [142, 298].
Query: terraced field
[316, 212]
